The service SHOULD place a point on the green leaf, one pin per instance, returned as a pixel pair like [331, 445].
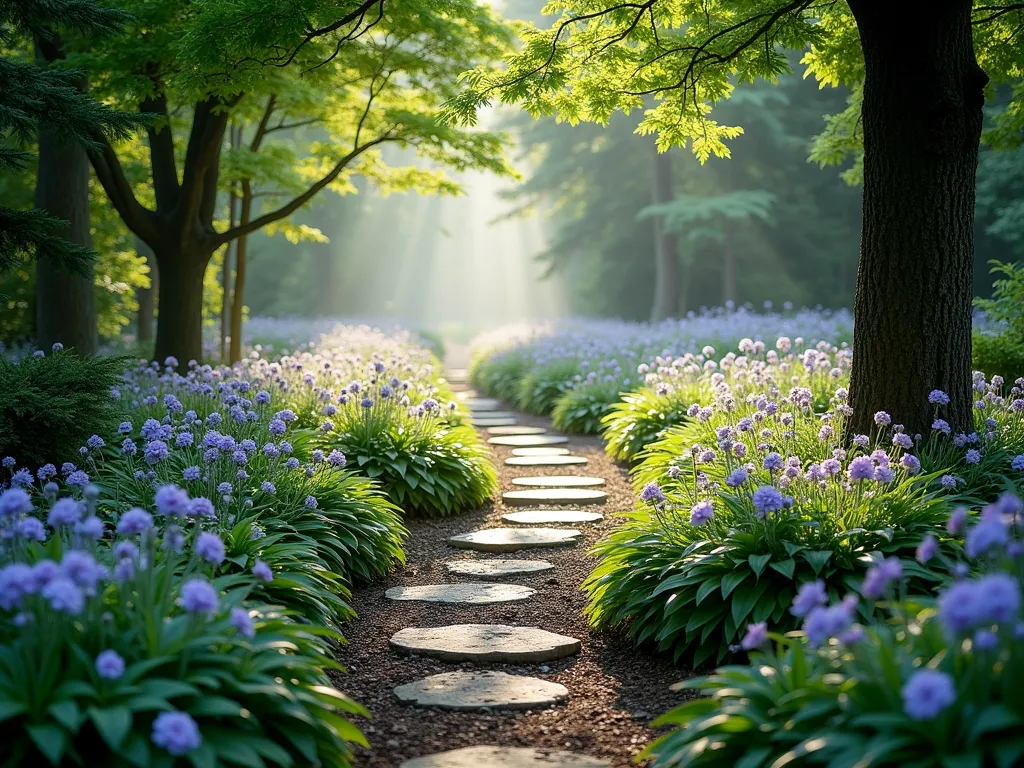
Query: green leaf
[994, 717]
[786, 567]
[67, 713]
[9, 709]
[50, 740]
[112, 723]
[705, 589]
[817, 559]
[732, 580]
[743, 601]
[758, 563]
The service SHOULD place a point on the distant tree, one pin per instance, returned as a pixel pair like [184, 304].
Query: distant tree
[923, 90]
[372, 74]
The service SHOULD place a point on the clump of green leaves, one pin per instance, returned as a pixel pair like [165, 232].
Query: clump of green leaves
[49, 406]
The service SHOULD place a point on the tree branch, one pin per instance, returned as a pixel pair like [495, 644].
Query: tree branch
[209, 123]
[136, 217]
[282, 126]
[291, 207]
[161, 153]
[996, 11]
[261, 129]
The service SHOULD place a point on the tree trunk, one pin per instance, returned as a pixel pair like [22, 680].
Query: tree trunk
[179, 333]
[65, 303]
[666, 251]
[225, 277]
[922, 119]
[728, 265]
[238, 297]
[147, 296]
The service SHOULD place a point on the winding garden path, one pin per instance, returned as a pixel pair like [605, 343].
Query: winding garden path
[477, 654]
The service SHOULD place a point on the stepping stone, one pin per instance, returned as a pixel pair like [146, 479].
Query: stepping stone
[559, 481]
[514, 539]
[497, 414]
[553, 496]
[545, 461]
[528, 441]
[504, 757]
[498, 643]
[482, 404]
[552, 517]
[497, 569]
[543, 451]
[521, 429]
[489, 423]
[457, 374]
[467, 394]
[469, 691]
[469, 594]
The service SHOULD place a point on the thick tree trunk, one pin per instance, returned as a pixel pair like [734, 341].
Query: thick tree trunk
[238, 297]
[922, 119]
[179, 333]
[147, 296]
[65, 303]
[666, 251]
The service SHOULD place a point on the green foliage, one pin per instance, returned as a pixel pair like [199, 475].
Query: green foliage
[842, 702]
[1006, 306]
[581, 411]
[681, 214]
[540, 388]
[998, 354]
[639, 419]
[49, 406]
[35, 98]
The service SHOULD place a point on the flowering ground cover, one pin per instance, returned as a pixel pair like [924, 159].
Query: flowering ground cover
[179, 588]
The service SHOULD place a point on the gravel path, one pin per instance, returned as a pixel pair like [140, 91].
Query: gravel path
[614, 690]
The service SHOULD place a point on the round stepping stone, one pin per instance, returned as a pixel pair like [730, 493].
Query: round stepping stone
[520, 429]
[528, 441]
[552, 517]
[470, 594]
[468, 691]
[542, 451]
[559, 481]
[504, 757]
[485, 642]
[553, 496]
[545, 461]
[497, 569]
[467, 394]
[491, 423]
[482, 404]
[514, 539]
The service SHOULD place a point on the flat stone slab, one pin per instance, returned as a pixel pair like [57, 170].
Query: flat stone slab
[497, 569]
[482, 404]
[514, 539]
[490, 423]
[467, 691]
[559, 481]
[552, 517]
[467, 394]
[469, 594]
[545, 461]
[485, 642]
[504, 757]
[533, 496]
[528, 441]
[519, 429]
[542, 451]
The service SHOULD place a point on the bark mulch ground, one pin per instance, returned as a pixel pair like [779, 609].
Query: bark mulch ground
[614, 688]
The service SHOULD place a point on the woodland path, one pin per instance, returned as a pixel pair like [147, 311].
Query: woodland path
[613, 690]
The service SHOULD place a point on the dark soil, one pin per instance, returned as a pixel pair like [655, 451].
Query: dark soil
[614, 688]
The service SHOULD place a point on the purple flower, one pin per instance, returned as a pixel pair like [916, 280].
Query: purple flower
[985, 640]
[927, 693]
[262, 571]
[336, 458]
[822, 623]
[46, 471]
[64, 595]
[128, 447]
[810, 595]
[134, 521]
[13, 502]
[77, 479]
[268, 487]
[883, 419]
[879, 577]
[210, 548]
[277, 427]
[311, 502]
[767, 499]
[941, 425]
[65, 512]
[90, 528]
[198, 596]
[927, 548]
[911, 463]
[861, 468]
[125, 428]
[16, 581]
[973, 456]
[938, 397]
[652, 492]
[242, 622]
[1018, 463]
[184, 439]
[31, 528]
[171, 501]
[176, 733]
[998, 597]
[8, 462]
[755, 637]
[701, 512]
[773, 461]
[156, 451]
[737, 477]
[990, 533]
[903, 440]
[191, 473]
[949, 482]
[109, 665]
[82, 568]
[125, 550]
